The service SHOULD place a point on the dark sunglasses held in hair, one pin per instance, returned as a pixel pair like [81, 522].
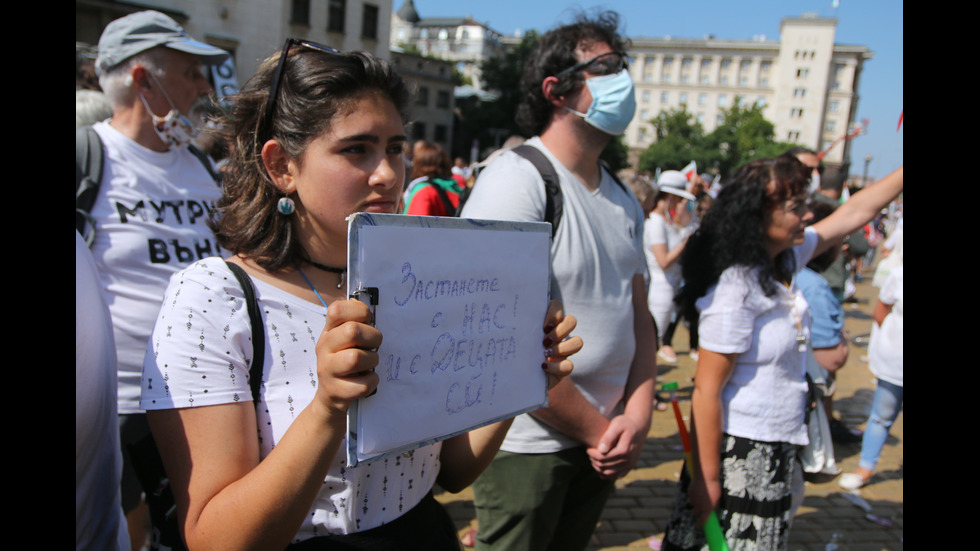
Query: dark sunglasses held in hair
[277, 78]
[608, 63]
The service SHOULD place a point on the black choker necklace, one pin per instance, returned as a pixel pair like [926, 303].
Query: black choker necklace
[342, 272]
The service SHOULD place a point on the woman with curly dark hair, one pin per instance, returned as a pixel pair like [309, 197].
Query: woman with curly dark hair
[318, 135]
[748, 403]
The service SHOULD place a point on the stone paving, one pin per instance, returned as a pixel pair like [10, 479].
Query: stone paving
[635, 516]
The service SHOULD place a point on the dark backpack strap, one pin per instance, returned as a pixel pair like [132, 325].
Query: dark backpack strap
[443, 196]
[88, 175]
[258, 330]
[552, 188]
[206, 161]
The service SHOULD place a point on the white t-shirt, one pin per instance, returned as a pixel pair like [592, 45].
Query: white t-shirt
[200, 354]
[658, 231]
[151, 220]
[595, 253]
[765, 397]
[886, 352]
[99, 519]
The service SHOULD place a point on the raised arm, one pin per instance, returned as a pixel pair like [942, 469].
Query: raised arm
[211, 453]
[857, 211]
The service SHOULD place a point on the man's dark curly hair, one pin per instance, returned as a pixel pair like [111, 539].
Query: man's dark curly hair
[733, 231]
[555, 52]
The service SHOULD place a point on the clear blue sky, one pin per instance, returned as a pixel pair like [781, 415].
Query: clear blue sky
[877, 24]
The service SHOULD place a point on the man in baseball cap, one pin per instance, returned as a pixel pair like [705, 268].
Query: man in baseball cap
[148, 219]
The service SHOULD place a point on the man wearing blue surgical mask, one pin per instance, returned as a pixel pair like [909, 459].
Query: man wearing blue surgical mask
[547, 487]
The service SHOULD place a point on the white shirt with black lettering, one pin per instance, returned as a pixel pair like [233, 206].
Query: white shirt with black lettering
[150, 221]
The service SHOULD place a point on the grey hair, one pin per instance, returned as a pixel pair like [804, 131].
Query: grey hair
[114, 81]
[91, 106]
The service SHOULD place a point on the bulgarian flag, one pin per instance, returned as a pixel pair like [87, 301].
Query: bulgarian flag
[900, 116]
[690, 170]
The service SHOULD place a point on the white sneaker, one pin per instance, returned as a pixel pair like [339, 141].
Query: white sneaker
[851, 481]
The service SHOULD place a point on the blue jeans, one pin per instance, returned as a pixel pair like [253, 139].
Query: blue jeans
[885, 409]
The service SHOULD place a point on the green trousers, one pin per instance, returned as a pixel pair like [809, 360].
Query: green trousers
[538, 502]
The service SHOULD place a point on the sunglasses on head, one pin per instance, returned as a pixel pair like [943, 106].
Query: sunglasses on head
[608, 63]
[277, 78]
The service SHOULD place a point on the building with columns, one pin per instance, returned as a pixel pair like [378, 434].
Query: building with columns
[807, 84]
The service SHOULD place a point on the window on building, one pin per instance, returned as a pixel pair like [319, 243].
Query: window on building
[705, 63]
[683, 98]
[299, 14]
[664, 97]
[799, 92]
[834, 106]
[796, 113]
[665, 78]
[743, 81]
[763, 82]
[726, 63]
[644, 115]
[705, 79]
[443, 34]
[668, 62]
[700, 118]
[642, 134]
[418, 131]
[336, 14]
[685, 79]
[720, 119]
[369, 23]
[702, 99]
[765, 65]
[831, 126]
[722, 100]
[441, 134]
[686, 62]
[802, 72]
[423, 97]
[646, 96]
[745, 64]
[442, 99]
[723, 80]
[793, 136]
[761, 101]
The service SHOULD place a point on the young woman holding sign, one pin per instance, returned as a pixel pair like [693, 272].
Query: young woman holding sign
[317, 135]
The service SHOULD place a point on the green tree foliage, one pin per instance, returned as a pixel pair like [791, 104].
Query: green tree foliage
[502, 76]
[743, 136]
[680, 140]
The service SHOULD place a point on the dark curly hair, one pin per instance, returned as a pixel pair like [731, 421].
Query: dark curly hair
[315, 87]
[555, 52]
[733, 231]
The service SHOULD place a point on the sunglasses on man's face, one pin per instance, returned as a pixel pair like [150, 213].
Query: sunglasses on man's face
[277, 78]
[608, 63]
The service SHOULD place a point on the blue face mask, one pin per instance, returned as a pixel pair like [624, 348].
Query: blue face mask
[613, 102]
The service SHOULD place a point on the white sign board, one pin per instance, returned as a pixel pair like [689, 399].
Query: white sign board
[460, 306]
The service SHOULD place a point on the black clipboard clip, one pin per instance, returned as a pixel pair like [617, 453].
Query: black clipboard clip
[369, 296]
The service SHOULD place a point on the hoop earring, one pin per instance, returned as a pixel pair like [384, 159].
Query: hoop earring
[286, 206]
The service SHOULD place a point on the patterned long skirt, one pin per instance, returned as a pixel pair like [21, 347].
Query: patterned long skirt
[758, 481]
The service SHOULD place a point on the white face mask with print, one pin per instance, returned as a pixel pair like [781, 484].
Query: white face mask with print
[174, 129]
